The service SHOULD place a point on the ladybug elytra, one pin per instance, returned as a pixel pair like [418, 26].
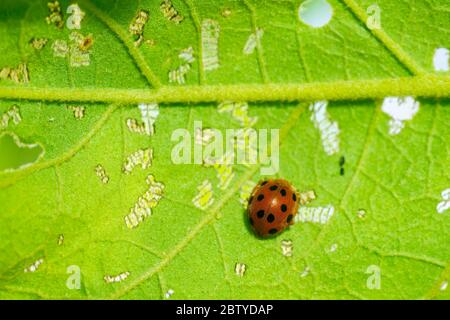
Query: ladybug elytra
[272, 207]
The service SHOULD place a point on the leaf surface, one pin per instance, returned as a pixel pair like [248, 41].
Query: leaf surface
[396, 180]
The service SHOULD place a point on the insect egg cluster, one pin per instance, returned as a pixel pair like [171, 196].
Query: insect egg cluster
[136, 27]
[134, 126]
[142, 157]
[78, 111]
[118, 278]
[20, 74]
[55, 14]
[252, 41]
[38, 43]
[33, 267]
[143, 207]
[210, 44]
[149, 113]
[306, 197]
[315, 214]
[240, 269]
[286, 248]
[101, 173]
[80, 49]
[400, 109]
[169, 12]
[60, 48]
[204, 198]
[329, 130]
[13, 114]
[179, 75]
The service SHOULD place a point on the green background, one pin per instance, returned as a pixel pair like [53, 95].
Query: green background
[398, 179]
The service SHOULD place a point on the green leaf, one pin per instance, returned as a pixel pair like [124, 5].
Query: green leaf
[59, 213]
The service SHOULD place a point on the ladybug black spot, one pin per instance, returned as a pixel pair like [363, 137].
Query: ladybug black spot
[294, 197]
[289, 218]
[273, 188]
[273, 231]
[260, 214]
[283, 208]
[260, 197]
[283, 192]
[251, 221]
[270, 218]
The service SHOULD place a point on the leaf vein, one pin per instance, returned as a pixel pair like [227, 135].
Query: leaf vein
[137, 56]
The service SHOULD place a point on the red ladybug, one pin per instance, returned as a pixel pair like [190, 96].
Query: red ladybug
[272, 207]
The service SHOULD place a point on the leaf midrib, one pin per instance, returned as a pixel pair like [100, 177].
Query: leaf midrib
[427, 86]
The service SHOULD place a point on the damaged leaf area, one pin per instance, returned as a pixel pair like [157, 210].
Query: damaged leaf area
[92, 205]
